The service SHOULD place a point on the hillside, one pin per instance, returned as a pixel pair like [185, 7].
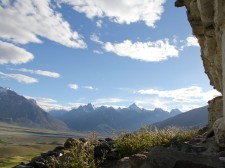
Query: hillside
[190, 119]
[16, 109]
[104, 119]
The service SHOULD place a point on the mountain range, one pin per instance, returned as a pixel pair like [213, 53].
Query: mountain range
[106, 119]
[16, 109]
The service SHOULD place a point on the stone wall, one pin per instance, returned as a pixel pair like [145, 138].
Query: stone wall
[207, 19]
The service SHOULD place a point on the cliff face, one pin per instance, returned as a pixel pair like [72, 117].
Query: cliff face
[207, 19]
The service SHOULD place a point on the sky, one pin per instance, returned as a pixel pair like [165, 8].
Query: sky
[67, 53]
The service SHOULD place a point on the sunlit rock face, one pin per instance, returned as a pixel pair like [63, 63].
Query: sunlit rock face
[206, 26]
[207, 19]
[215, 110]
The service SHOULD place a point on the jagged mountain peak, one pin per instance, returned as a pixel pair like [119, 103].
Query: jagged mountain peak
[175, 111]
[158, 109]
[6, 90]
[134, 107]
[87, 108]
[89, 105]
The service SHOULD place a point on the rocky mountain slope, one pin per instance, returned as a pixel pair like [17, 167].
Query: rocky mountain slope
[16, 109]
[191, 119]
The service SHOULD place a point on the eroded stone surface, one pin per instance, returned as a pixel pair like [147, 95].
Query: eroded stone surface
[215, 110]
[160, 157]
[206, 22]
[207, 19]
[219, 129]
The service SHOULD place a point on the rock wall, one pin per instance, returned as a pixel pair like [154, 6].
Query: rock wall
[215, 110]
[207, 19]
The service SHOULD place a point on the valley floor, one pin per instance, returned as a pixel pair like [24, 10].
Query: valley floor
[19, 144]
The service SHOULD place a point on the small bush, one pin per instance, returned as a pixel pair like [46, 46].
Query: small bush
[81, 156]
[144, 139]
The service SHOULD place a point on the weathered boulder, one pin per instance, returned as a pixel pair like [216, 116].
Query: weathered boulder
[101, 149]
[137, 160]
[186, 147]
[71, 142]
[219, 129]
[160, 157]
[188, 164]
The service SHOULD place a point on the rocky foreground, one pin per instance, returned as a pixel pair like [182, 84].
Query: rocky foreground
[199, 152]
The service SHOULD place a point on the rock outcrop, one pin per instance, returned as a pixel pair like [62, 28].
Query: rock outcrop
[207, 19]
[215, 110]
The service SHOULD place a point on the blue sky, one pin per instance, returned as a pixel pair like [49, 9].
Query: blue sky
[65, 53]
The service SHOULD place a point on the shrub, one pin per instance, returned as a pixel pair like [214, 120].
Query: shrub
[81, 156]
[144, 139]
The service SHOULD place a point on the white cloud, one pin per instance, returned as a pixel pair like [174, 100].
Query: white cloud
[73, 86]
[189, 94]
[88, 87]
[97, 52]
[152, 103]
[189, 107]
[23, 21]
[41, 99]
[102, 101]
[53, 106]
[99, 23]
[192, 41]
[10, 53]
[75, 105]
[39, 72]
[48, 104]
[120, 11]
[19, 77]
[209, 95]
[113, 106]
[146, 51]
[95, 38]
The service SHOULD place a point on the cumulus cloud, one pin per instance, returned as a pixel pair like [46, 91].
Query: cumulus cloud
[99, 23]
[95, 38]
[12, 54]
[19, 77]
[73, 86]
[192, 41]
[39, 72]
[189, 94]
[24, 21]
[120, 11]
[146, 51]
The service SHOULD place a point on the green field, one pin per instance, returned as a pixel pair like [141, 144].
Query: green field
[18, 144]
